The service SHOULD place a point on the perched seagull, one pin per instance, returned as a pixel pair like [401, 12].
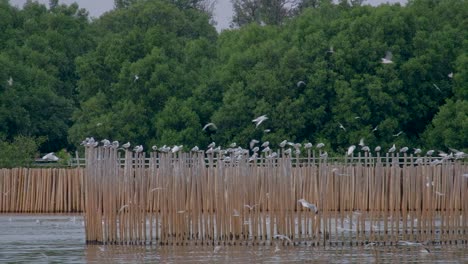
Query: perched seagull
[437, 87]
[265, 144]
[126, 145]
[50, 157]
[138, 149]
[106, 143]
[283, 143]
[350, 150]
[195, 149]
[176, 148]
[341, 126]
[377, 149]
[392, 149]
[287, 152]
[255, 149]
[324, 155]
[299, 83]
[308, 145]
[417, 151]
[365, 148]
[388, 58]
[233, 145]
[430, 152]
[266, 149]
[450, 75]
[211, 145]
[404, 149]
[10, 81]
[259, 120]
[306, 204]
[397, 134]
[210, 125]
[320, 145]
[115, 144]
[154, 148]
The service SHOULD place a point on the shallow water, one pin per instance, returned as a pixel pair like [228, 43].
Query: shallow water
[60, 239]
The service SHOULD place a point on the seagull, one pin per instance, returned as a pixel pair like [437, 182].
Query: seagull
[430, 152]
[375, 129]
[256, 149]
[136, 77]
[320, 145]
[283, 143]
[251, 207]
[397, 134]
[365, 148]
[154, 148]
[357, 117]
[176, 148]
[123, 207]
[299, 83]
[138, 149]
[350, 150]
[417, 150]
[331, 50]
[50, 157]
[388, 58]
[392, 149]
[210, 125]
[267, 130]
[287, 152]
[324, 155]
[259, 120]
[106, 142]
[195, 149]
[404, 149]
[115, 144]
[308, 145]
[216, 249]
[126, 145]
[341, 126]
[361, 142]
[450, 75]
[283, 237]
[306, 204]
[211, 145]
[266, 149]
[10, 81]
[236, 213]
[377, 149]
[253, 142]
[437, 87]
[265, 144]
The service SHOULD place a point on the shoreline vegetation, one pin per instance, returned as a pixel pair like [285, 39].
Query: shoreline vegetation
[157, 72]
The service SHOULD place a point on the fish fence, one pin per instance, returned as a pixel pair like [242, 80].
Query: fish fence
[198, 198]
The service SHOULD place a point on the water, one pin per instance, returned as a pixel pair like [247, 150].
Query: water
[60, 239]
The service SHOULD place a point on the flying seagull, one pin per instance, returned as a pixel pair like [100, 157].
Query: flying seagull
[299, 83]
[10, 81]
[50, 157]
[341, 126]
[350, 150]
[388, 58]
[210, 125]
[437, 87]
[259, 120]
[306, 204]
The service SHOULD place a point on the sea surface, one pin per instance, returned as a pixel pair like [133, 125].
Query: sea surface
[61, 239]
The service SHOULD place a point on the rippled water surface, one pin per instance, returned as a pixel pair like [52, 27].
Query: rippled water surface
[60, 239]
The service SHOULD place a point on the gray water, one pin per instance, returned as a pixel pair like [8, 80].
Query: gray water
[60, 239]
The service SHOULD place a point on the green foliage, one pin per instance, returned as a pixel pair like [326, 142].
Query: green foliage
[20, 152]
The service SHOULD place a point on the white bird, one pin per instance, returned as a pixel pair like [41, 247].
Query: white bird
[122, 208]
[350, 150]
[397, 134]
[10, 81]
[251, 207]
[266, 149]
[283, 143]
[308, 145]
[256, 149]
[176, 148]
[375, 128]
[265, 144]
[287, 152]
[211, 145]
[437, 87]
[236, 213]
[365, 148]
[195, 149]
[320, 145]
[267, 130]
[283, 237]
[388, 58]
[253, 142]
[450, 75]
[50, 157]
[138, 149]
[324, 155]
[106, 142]
[154, 148]
[361, 142]
[430, 152]
[210, 125]
[417, 151]
[136, 77]
[377, 149]
[233, 145]
[259, 120]
[216, 249]
[403, 149]
[115, 144]
[126, 145]
[392, 149]
[341, 126]
[331, 50]
[299, 83]
[306, 204]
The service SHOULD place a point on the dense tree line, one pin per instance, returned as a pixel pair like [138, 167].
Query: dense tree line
[155, 72]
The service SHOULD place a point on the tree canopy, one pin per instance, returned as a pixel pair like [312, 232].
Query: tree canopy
[155, 72]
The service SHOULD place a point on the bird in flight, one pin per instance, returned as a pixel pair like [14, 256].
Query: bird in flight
[341, 126]
[210, 125]
[388, 58]
[397, 134]
[350, 150]
[300, 83]
[10, 81]
[136, 77]
[306, 204]
[259, 120]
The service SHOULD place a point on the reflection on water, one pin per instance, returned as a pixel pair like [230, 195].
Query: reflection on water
[60, 239]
